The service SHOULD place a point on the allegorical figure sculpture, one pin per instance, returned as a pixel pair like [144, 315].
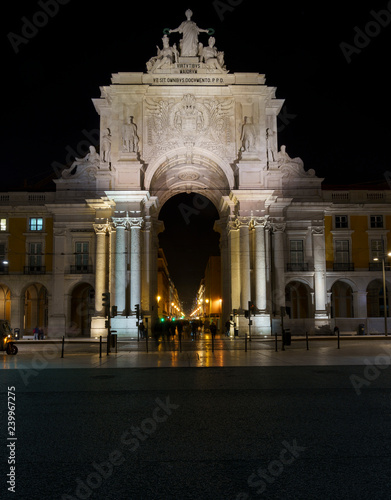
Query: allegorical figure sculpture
[165, 56]
[190, 32]
[92, 159]
[213, 59]
[129, 136]
[248, 135]
[105, 147]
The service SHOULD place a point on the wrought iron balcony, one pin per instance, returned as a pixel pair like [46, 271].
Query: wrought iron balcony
[34, 269]
[81, 269]
[343, 266]
[4, 268]
[377, 266]
[297, 267]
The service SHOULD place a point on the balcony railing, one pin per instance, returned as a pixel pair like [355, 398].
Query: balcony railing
[4, 268]
[86, 269]
[297, 267]
[343, 266]
[377, 266]
[34, 269]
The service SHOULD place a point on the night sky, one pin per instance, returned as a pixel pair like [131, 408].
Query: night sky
[337, 113]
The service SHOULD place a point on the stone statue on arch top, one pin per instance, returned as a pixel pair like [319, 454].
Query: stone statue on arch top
[129, 136]
[212, 57]
[190, 32]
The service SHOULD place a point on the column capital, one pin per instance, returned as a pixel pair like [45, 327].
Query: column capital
[277, 226]
[101, 228]
[262, 222]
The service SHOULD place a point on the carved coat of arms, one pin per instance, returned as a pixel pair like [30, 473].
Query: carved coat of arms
[173, 124]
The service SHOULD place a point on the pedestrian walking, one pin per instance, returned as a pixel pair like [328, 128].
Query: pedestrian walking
[36, 333]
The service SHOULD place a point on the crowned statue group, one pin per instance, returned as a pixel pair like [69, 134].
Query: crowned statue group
[189, 47]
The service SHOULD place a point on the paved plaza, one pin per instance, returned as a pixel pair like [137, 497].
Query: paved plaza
[198, 424]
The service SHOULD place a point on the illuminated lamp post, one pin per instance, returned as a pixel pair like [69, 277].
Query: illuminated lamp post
[383, 262]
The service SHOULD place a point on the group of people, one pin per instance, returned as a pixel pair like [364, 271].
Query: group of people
[38, 333]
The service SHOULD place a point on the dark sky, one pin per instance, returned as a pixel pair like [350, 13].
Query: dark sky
[337, 112]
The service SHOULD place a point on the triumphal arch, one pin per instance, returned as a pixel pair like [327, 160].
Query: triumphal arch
[189, 124]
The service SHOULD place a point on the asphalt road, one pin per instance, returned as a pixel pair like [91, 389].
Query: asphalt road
[206, 433]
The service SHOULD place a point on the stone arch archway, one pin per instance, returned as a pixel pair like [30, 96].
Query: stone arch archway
[5, 302]
[81, 305]
[298, 300]
[194, 171]
[35, 310]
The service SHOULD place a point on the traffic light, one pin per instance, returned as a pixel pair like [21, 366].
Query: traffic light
[235, 312]
[106, 299]
[114, 310]
[137, 306]
[246, 313]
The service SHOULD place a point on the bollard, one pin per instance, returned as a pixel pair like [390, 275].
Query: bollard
[146, 340]
[276, 344]
[100, 346]
[180, 342]
[338, 339]
[62, 347]
[306, 339]
[245, 342]
[213, 344]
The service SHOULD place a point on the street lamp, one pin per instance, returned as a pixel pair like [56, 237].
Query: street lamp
[383, 266]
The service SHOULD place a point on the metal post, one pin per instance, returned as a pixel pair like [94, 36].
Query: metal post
[146, 340]
[62, 347]
[275, 337]
[338, 338]
[384, 296]
[282, 312]
[245, 342]
[306, 340]
[213, 345]
[180, 341]
[249, 320]
[100, 346]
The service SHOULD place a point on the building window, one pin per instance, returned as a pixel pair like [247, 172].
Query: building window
[3, 259]
[341, 251]
[36, 224]
[3, 224]
[296, 256]
[35, 259]
[376, 221]
[296, 251]
[377, 249]
[81, 256]
[341, 222]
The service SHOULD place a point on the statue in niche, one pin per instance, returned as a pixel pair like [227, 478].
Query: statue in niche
[213, 59]
[86, 165]
[270, 145]
[129, 136]
[106, 146]
[190, 32]
[165, 57]
[248, 136]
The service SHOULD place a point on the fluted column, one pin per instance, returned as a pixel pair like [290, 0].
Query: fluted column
[245, 283]
[319, 249]
[120, 264]
[260, 264]
[279, 265]
[234, 261]
[135, 225]
[100, 266]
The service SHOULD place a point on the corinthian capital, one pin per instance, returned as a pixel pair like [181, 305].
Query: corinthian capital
[101, 228]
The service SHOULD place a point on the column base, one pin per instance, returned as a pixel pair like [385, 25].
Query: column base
[260, 327]
[57, 326]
